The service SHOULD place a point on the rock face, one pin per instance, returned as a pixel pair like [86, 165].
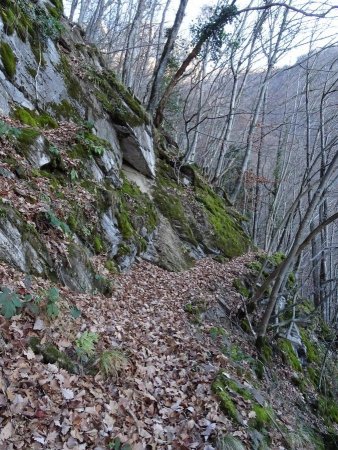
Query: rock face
[137, 146]
[46, 81]
[82, 191]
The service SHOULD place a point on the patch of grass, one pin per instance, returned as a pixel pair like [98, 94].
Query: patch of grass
[111, 362]
[8, 59]
[277, 258]
[98, 244]
[216, 332]
[263, 417]
[111, 266]
[256, 266]
[304, 438]
[328, 409]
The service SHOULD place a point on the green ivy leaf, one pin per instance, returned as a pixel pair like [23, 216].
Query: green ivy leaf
[75, 312]
[9, 302]
[53, 295]
[52, 310]
[74, 175]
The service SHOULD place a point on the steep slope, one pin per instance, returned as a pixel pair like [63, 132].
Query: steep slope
[71, 136]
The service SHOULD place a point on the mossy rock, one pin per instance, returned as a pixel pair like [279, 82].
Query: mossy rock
[52, 355]
[118, 101]
[172, 208]
[33, 21]
[65, 110]
[135, 212]
[195, 310]
[241, 287]
[228, 234]
[312, 352]
[73, 85]
[33, 119]
[289, 355]
[8, 59]
[26, 139]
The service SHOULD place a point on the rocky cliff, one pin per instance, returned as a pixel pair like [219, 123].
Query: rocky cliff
[86, 185]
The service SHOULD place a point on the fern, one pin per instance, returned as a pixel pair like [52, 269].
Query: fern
[85, 344]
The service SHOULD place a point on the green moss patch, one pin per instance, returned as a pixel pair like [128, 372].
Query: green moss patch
[219, 387]
[289, 355]
[65, 110]
[33, 119]
[31, 20]
[26, 139]
[8, 59]
[171, 206]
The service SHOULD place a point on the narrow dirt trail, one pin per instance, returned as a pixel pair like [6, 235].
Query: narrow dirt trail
[162, 398]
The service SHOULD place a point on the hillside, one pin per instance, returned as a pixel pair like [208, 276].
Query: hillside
[125, 279]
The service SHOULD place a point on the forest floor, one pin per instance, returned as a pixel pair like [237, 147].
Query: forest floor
[160, 396]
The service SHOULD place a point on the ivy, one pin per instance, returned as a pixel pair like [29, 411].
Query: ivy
[212, 29]
[9, 302]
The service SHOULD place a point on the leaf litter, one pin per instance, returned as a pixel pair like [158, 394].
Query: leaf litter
[161, 398]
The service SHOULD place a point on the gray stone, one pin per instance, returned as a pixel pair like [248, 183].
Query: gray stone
[94, 170]
[138, 148]
[125, 261]
[111, 232]
[6, 173]
[38, 153]
[165, 248]
[77, 272]
[19, 252]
